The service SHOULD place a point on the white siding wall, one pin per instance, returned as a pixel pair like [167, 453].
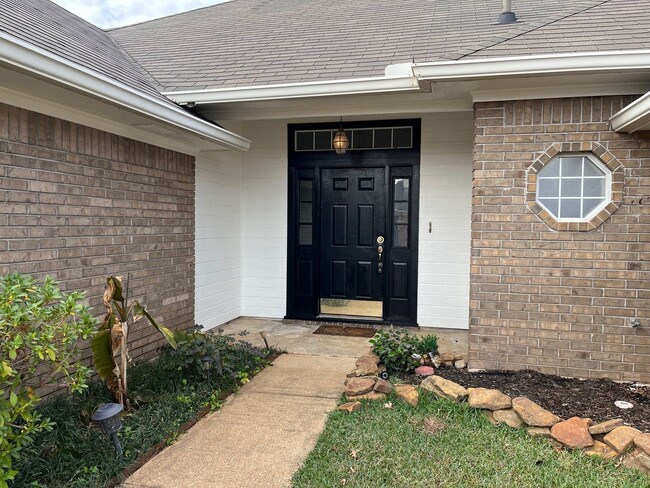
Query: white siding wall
[264, 220]
[251, 280]
[445, 201]
[218, 238]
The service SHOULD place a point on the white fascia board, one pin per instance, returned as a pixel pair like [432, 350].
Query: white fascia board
[634, 117]
[574, 63]
[358, 86]
[36, 61]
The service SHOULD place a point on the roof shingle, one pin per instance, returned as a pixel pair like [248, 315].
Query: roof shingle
[257, 42]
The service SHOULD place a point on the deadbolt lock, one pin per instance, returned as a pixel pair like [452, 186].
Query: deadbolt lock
[380, 240]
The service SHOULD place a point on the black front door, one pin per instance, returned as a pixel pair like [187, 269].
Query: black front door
[353, 222]
[353, 226]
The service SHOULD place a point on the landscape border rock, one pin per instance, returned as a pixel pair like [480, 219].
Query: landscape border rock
[613, 440]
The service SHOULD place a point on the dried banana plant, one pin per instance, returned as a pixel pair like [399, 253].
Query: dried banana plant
[110, 343]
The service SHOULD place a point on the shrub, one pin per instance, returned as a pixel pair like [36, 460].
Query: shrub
[235, 356]
[428, 343]
[395, 348]
[40, 330]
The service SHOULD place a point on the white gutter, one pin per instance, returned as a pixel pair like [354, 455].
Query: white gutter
[37, 61]
[634, 117]
[358, 86]
[574, 63]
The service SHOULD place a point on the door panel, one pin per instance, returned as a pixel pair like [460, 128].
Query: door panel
[353, 215]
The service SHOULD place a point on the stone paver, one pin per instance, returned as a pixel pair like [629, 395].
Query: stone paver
[260, 436]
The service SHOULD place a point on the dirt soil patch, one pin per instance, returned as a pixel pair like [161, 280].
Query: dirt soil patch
[565, 397]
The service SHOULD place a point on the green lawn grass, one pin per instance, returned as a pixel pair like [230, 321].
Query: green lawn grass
[381, 447]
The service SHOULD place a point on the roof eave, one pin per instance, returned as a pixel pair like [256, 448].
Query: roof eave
[356, 86]
[41, 63]
[551, 64]
[635, 117]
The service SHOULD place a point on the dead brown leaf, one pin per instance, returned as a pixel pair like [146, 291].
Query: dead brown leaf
[433, 425]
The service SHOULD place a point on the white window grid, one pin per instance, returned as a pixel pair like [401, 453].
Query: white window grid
[606, 198]
[352, 136]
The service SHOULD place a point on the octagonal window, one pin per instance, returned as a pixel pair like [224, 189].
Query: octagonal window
[574, 187]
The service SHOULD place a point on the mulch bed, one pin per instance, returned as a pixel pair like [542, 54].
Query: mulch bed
[565, 397]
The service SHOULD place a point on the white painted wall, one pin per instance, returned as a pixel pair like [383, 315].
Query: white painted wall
[259, 288]
[218, 238]
[264, 220]
[446, 202]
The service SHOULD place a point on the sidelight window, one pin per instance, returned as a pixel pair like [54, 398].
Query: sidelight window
[401, 209]
[306, 212]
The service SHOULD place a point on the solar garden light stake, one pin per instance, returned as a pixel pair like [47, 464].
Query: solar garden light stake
[209, 362]
[108, 417]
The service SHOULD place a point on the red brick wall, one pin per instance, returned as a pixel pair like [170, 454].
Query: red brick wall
[559, 302]
[81, 204]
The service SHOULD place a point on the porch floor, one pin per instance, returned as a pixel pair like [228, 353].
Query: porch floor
[297, 337]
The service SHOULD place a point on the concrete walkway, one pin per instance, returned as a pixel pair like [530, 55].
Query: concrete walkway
[263, 433]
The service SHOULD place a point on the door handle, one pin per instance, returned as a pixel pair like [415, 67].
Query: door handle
[380, 263]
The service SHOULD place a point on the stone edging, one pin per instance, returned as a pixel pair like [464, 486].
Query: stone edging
[610, 440]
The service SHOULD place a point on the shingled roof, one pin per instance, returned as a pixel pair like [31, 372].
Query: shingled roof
[52, 28]
[262, 42]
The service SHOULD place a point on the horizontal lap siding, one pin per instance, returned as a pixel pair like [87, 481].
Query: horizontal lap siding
[80, 204]
[558, 302]
[264, 220]
[218, 238]
[445, 201]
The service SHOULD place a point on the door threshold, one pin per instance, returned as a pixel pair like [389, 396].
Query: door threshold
[349, 318]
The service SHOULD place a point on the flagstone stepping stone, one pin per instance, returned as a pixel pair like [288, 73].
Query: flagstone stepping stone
[539, 431]
[383, 386]
[488, 399]
[359, 386]
[367, 365]
[371, 396]
[408, 393]
[605, 427]
[638, 460]
[508, 417]
[643, 442]
[443, 388]
[350, 407]
[532, 414]
[621, 438]
[602, 450]
[573, 433]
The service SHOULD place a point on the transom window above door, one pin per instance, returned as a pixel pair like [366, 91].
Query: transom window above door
[360, 139]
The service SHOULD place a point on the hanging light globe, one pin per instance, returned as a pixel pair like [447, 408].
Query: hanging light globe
[341, 143]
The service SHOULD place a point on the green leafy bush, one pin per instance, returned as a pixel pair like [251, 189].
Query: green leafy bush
[40, 330]
[395, 348]
[428, 343]
[235, 356]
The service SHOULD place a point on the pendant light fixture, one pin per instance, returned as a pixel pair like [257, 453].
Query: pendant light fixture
[341, 142]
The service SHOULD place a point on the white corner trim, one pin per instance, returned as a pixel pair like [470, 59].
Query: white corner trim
[37, 61]
[634, 117]
[574, 63]
[310, 89]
